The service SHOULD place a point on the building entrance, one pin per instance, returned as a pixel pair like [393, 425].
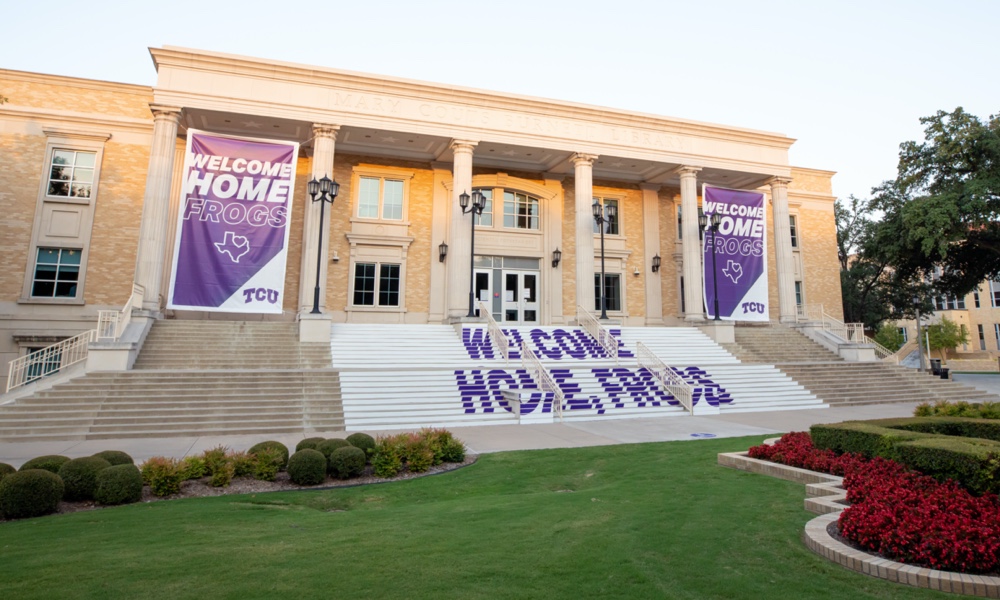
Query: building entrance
[510, 287]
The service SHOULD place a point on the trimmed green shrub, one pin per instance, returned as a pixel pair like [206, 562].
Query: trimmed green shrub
[347, 462]
[388, 458]
[215, 459]
[30, 493]
[268, 460]
[363, 441]
[943, 408]
[192, 467]
[987, 429]
[162, 474]
[119, 484]
[307, 467]
[6, 470]
[861, 437]
[328, 446]
[50, 463]
[445, 446]
[308, 444]
[116, 457]
[271, 444]
[80, 477]
[974, 463]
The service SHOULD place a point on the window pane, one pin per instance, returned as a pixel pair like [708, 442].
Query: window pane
[486, 219]
[85, 159]
[364, 284]
[60, 173]
[65, 289]
[70, 257]
[83, 175]
[388, 286]
[62, 157]
[794, 233]
[45, 272]
[48, 256]
[612, 289]
[44, 289]
[368, 198]
[81, 191]
[58, 188]
[509, 210]
[392, 202]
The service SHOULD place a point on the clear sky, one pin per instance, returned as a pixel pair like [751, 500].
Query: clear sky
[849, 80]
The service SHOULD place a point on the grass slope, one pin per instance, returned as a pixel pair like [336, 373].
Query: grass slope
[631, 521]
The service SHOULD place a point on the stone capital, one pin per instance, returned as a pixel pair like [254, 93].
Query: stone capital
[776, 182]
[323, 130]
[580, 159]
[463, 146]
[162, 111]
[688, 172]
[653, 187]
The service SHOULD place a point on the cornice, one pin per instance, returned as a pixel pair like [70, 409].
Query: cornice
[192, 59]
[58, 119]
[62, 80]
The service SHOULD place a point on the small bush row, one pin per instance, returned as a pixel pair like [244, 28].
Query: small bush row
[965, 450]
[900, 513]
[108, 477]
[416, 452]
[944, 408]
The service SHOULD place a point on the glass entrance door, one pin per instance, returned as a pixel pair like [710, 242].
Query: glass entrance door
[520, 297]
[484, 290]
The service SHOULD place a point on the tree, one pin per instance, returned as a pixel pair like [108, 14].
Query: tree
[943, 208]
[946, 335]
[873, 291]
[890, 337]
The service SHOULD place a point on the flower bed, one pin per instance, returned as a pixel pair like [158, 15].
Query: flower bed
[901, 514]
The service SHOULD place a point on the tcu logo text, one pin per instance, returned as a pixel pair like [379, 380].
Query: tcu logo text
[753, 307]
[260, 295]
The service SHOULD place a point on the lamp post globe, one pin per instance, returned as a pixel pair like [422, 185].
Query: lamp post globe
[326, 189]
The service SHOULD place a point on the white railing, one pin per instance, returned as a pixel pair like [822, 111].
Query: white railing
[493, 330]
[543, 378]
[49, 360]
[667, 377]
[597, 331]
[851, 332]
[112, 323]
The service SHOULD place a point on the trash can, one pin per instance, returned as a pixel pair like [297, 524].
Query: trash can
[936, 366]
[944, 373]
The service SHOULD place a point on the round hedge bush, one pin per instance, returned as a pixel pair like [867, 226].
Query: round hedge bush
[272, 444]
[49, 462]
[347, 462]
[116, 457]
[30, 493]
[328, 446]
[80, 477]
[363, 441]
[307, 467]
[6, 470]
[309, 443]
[119, 484]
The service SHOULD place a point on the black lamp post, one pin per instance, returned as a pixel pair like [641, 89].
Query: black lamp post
[920, 349]
[327, 190]
[703, 223]
[478, 202]
[603, 214]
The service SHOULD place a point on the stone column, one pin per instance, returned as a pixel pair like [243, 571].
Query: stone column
[651, 247]
[584, 193]
[691, 245]
[783, 250]
[460, 232]
[324, 141]
[156, 205]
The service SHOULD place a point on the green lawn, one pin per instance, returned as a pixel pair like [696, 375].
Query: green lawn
[631, 521]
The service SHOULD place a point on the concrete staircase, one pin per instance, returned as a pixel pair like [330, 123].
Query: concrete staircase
[844, 383]
[204, 378]
[772, 345]
[229, 345]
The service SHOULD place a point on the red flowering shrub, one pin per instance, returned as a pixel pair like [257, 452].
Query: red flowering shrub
[902, 514]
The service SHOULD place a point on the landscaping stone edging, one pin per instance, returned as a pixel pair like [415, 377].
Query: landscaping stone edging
[826, 497]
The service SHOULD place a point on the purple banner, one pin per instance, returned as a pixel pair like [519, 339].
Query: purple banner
[740, 258]
[233, 224]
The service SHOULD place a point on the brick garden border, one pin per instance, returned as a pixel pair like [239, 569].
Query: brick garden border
[826, 497]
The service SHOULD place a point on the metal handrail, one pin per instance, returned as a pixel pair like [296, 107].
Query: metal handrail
[49, 360]
[591, 325]
[542, 377]
[851, 332]
[667, 377]
[494, 332]
[111, 324]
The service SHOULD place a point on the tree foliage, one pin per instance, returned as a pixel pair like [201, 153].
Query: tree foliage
[943, 208]
[945, 335]
[889, 336]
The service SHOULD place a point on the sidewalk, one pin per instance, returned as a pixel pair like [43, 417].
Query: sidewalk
[496, 438]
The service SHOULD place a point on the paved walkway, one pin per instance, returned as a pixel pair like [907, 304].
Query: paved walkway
[498, 438]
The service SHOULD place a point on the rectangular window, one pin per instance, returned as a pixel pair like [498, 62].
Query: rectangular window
[378, 196]
[71, 174]
[975, 298]
[982, 338]
[49, 363]
[960, 303]
[520, 211]
[995, 293]
[612, 291]
[794, 231]
[680, 229]
[798, 294]
[57, 271]
[611, 225]
[902, 332]
[486, 219]
[996, 334]
[368, 289]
